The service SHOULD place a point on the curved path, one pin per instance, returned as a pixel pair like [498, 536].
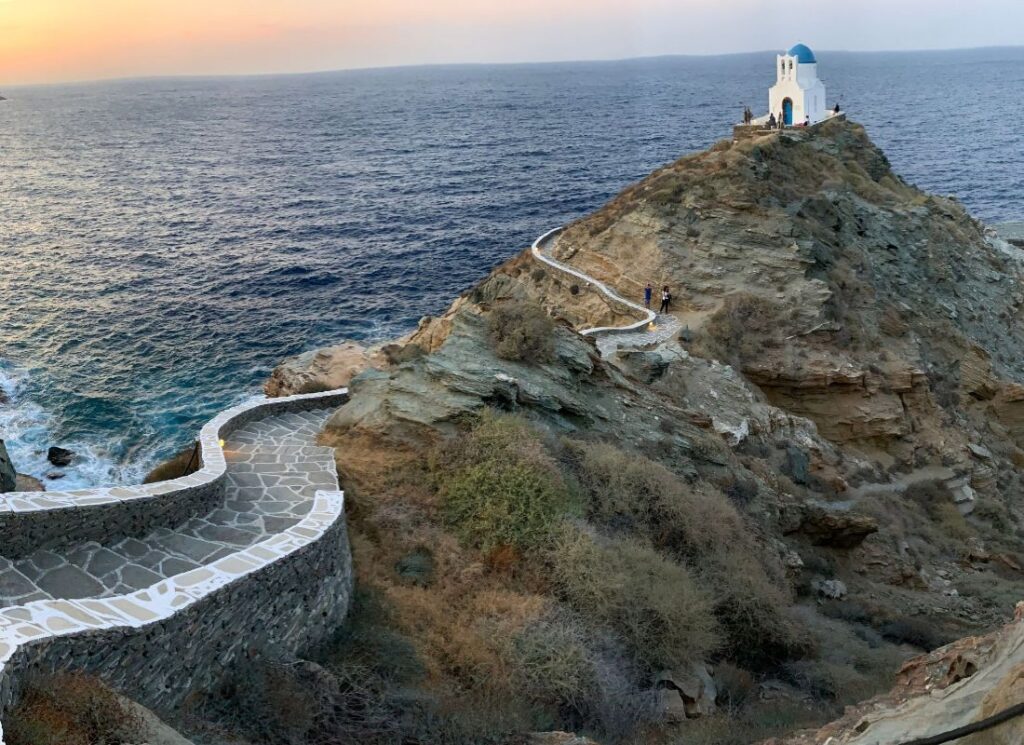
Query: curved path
[269, 495]
[652, 329]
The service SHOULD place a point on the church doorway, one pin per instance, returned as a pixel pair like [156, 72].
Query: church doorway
[787, 111]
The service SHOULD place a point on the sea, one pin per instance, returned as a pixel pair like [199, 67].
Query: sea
[165, 242]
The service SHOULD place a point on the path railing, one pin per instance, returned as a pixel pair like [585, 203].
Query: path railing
[649, 316]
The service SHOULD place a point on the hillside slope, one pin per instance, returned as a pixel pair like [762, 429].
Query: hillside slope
[721, 538]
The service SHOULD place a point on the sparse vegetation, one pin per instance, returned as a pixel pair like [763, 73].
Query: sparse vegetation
[70, 709]
[652, 602]
[522, 332]
[742, 329]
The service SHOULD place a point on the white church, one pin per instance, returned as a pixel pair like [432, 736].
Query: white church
[798, 96]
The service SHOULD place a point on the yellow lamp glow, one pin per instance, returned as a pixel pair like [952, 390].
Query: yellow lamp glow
[221, 443]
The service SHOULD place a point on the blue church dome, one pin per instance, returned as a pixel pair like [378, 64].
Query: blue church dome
[803, 54]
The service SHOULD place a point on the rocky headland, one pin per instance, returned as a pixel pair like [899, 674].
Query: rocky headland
[721, 537]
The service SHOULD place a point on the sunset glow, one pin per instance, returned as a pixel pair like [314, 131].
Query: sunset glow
[55, 40]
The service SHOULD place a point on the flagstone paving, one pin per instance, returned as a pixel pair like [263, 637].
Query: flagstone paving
[274, 469]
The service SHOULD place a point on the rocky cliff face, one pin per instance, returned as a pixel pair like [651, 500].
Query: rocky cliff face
[953, 687]
[849, 296]
[849, 377]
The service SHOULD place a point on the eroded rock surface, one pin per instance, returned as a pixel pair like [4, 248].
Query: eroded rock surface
[959, 684]
[318, 370]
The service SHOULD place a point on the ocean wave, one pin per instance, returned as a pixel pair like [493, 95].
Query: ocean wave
[27, 429]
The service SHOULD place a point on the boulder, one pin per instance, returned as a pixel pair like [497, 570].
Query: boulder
[837, 527]
[8, 476]
[318, 370]
[60, 456]
[688, 693]
[962, 493]
[979, 451]
[28, 483]
[832, 589]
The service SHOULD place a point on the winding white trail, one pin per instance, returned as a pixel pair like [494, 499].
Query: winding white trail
[653, 328]
[266, 493]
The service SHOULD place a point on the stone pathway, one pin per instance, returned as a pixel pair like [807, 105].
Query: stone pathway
[652, 329]
[274, 469]
[663, 329]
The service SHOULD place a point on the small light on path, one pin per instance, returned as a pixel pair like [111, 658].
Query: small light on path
[221, 443]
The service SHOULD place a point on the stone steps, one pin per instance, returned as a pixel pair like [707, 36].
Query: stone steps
[273, 472]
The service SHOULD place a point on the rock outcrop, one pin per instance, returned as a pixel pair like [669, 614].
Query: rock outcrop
[846, 295]
[319, 370]
[59, 456]
[850, 375]
[8, 476]
[956, 685]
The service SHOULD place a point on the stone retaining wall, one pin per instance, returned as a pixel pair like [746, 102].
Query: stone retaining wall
[33, 520]
[280, 596]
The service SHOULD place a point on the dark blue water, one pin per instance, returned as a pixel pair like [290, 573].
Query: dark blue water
[164, 243]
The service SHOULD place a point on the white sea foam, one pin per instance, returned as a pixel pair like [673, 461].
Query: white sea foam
[27, 430]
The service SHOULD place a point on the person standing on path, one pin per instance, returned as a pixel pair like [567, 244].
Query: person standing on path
[648, 291]
[666, 298]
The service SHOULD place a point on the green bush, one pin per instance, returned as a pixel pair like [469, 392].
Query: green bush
[499, 486]
[494, 504]
[652, 603]
[521, 331]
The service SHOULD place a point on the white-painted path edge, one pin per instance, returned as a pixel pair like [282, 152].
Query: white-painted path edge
[667, 327]
[42, 620]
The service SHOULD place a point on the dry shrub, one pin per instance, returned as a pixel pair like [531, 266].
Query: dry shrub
[754, 723]
[574, 680]
[652, 603]
[555, 665]
[918, 632]
[935, 498]
[499, 487]
[521, 331]
[70, 709]
[630, 493]
[751, 611]
[742, 329]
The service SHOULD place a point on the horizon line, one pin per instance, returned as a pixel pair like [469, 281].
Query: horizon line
[435, 65]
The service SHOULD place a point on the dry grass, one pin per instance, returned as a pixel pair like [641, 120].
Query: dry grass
[70, 709]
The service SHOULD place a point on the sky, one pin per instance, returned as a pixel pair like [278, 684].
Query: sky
[44, 41]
